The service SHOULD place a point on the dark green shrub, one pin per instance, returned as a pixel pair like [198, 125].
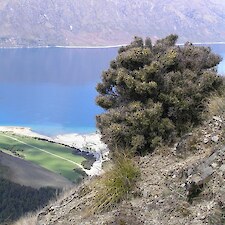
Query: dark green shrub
[153, 92]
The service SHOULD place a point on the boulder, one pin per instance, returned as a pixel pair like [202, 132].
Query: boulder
[215, 138]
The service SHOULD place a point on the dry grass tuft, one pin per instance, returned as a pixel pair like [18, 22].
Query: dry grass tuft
[216, 106]
[116, 184]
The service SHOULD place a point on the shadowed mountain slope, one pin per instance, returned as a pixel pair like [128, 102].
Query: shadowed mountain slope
[28, 174]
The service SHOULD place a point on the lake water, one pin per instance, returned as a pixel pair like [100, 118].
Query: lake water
[220, 49]
[52, 90]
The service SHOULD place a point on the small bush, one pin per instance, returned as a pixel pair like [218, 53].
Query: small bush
[152, 93]
[116, 184]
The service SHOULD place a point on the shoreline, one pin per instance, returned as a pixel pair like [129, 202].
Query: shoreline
[90, 143]
[103, 46]
[67, 46]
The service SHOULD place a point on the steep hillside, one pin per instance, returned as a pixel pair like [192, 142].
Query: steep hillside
[108, 22]
[173, 190]
[181, 185]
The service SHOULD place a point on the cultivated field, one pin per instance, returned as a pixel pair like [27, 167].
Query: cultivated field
[52, 156]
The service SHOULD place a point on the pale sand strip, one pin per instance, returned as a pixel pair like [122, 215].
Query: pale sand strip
[106, 46]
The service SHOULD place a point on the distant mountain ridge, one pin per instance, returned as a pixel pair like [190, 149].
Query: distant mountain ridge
[108, 22]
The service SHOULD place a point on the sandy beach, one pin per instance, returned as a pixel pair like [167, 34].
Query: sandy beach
[88, 142]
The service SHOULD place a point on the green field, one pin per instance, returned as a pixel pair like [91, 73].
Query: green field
[51, 156]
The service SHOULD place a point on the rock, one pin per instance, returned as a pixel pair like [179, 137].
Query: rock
[201, 217]
[145, 193]
[199, 176]
[196, 179]
[215, 138]
[190, 171]
[205, 140]
[211, 158]
[206, 173]
[181, 148]
[214, 165]
[217, 118]
[222, 168]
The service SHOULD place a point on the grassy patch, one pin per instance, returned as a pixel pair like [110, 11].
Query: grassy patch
[55, 157]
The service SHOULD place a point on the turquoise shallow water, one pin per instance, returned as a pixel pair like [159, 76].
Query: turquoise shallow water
[52, 90]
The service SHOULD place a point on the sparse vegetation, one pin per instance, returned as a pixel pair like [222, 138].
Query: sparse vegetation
[152, 93]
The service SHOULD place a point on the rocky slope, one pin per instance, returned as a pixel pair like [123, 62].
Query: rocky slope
[182, 185]
[108, 22]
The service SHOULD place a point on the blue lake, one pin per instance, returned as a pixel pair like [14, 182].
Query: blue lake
[52, 90]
